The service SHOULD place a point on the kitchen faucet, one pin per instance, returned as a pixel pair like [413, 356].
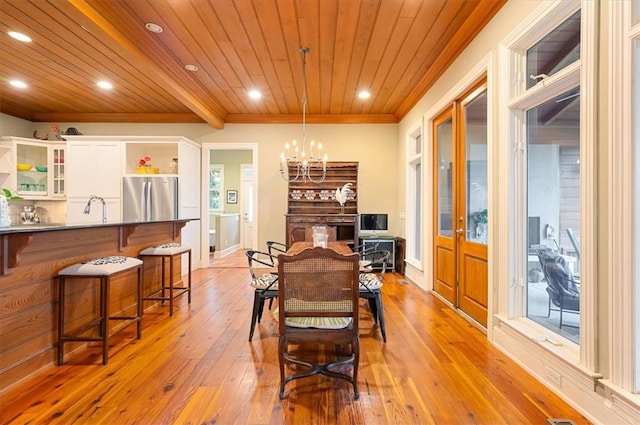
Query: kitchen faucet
[87, 209]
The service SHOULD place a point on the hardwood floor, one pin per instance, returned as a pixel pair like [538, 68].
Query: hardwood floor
[199, 368]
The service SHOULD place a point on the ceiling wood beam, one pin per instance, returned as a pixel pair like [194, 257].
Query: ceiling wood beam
[312, 119]
[187, 98]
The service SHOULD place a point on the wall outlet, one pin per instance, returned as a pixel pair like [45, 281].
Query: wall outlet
[554, 377]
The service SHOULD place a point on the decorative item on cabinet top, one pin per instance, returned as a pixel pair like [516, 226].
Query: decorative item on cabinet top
[145, 167]
[55, 130]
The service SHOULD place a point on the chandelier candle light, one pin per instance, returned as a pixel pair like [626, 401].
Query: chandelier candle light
[296, 156]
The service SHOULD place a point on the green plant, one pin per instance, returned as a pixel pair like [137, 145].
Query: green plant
[9, 195]
[481, 216]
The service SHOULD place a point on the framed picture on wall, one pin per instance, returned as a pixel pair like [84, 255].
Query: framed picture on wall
[232, 196]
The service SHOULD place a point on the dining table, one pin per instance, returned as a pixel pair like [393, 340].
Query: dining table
[340, 247]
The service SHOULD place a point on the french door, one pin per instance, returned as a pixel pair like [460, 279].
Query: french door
[461, 204]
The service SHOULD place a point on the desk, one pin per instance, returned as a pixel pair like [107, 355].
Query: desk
[340, 247]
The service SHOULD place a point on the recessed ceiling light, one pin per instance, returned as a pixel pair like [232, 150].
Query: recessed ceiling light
[19, 36]
[364, 94]
[255, 94]
[155, 28]
[19, 84]
[104, 85]
[191, 68]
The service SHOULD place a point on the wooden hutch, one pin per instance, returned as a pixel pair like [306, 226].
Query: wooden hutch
[314, 204]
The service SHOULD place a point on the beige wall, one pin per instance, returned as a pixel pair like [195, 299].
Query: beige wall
[372, 145]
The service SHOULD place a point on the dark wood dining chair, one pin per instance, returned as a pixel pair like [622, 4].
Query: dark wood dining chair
[276, 248]
[318, 292]
[373, 266]
[262, 267]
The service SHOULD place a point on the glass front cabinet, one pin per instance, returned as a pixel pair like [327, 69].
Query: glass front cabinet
[33, 169]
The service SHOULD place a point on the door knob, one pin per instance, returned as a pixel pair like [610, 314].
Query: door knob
[460, 230]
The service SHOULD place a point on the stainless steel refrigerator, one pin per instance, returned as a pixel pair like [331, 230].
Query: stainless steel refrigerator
[149, 198]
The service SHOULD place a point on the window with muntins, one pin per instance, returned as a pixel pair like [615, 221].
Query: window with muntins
[216, 187]
[414, 198]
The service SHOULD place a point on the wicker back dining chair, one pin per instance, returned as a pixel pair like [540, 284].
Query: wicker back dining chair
[318, 309]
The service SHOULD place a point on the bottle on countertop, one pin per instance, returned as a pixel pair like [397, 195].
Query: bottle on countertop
[173, 166]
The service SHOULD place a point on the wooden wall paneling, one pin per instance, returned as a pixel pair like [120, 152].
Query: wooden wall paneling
[28, 295]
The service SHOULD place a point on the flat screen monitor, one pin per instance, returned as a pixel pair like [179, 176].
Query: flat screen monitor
[374, 224]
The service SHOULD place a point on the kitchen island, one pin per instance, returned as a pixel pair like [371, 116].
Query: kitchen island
[30, 258]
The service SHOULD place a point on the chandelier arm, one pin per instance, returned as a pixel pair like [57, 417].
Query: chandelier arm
[303, 164]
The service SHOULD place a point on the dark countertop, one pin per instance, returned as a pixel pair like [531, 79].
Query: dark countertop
[47, 227]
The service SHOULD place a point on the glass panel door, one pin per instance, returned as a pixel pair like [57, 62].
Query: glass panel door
[472, 205]
[475, 138]
[444, 209]
[445, 177]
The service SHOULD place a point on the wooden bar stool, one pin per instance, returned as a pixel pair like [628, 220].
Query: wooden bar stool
[168, 251]
[103, 269]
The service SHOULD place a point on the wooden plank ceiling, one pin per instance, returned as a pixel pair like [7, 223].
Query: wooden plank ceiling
[396, 49]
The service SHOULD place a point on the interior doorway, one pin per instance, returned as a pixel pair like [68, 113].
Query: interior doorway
[233, 200]
[461, 203]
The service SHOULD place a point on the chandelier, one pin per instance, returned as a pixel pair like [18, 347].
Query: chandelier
[304, 162]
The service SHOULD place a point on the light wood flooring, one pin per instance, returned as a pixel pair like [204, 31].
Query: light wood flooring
[199, 368]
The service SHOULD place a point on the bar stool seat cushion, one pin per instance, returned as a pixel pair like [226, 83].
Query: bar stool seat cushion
[104, 266]
[171, 248]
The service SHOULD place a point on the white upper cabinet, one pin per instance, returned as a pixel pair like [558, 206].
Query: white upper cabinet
[94, 167]
[32, 168]
[189, 181]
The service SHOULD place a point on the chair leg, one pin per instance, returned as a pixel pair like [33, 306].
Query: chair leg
[257, 302]
[140, 308]
[189, 284]
[282, 345]
[170, 285]
[261, 310]
[373, 309]
[162, 277]
[104, 326]
[380, 314]
[356, 360]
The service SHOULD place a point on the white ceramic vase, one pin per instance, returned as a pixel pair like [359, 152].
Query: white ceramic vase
[5, 218]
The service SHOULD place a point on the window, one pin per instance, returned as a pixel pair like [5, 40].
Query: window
[414, 198]
[553, 213]
[216, 187]
[552, 156]
[555, 51]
